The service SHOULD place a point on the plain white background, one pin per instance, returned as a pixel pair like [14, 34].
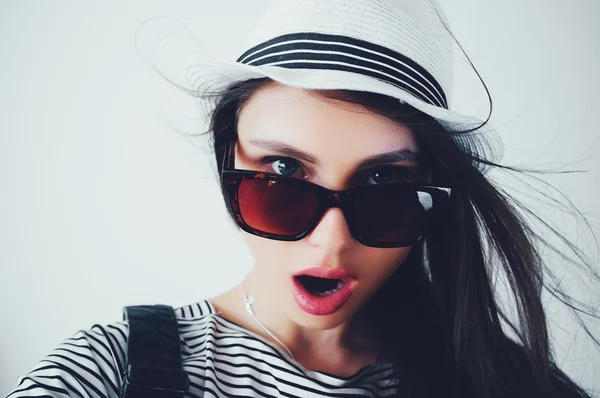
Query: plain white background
[103, 204]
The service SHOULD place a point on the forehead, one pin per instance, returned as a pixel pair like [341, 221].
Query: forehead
[336, 133]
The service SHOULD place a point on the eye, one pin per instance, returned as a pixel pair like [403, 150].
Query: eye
[287, 167]
[387, 175]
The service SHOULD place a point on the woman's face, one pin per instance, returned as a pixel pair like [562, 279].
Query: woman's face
[335, 137]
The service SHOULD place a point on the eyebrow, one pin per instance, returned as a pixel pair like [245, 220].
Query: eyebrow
[399, 155]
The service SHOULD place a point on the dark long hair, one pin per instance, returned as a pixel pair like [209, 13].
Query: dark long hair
[440, 307]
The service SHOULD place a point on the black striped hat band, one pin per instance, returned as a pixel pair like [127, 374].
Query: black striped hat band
[342, 53]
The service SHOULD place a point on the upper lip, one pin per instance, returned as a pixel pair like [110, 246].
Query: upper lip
[328, 273]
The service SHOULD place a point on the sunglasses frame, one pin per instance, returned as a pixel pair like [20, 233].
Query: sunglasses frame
[231, 179]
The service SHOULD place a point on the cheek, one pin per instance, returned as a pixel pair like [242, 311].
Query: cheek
[269, 255]
[382, 263]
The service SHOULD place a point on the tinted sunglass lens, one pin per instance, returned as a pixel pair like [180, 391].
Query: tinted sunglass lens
[391, 214]
[276, 207]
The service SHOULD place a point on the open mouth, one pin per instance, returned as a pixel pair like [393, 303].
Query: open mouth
[321, 291]
[320, 287]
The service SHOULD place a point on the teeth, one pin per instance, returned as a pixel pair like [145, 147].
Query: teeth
[340, 284]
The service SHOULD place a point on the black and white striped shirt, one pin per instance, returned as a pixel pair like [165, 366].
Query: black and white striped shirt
[221, 358]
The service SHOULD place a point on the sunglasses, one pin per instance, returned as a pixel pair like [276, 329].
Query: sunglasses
[286, 208]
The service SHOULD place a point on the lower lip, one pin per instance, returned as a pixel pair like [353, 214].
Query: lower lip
[322, 305]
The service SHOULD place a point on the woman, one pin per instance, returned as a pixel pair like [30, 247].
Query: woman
[365, 202]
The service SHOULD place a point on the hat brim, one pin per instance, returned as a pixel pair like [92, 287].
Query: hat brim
[210, 76]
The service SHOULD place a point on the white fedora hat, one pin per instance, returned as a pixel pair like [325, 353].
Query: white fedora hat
[399, 48]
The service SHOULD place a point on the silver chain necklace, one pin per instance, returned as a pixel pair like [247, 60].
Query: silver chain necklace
[248, 301]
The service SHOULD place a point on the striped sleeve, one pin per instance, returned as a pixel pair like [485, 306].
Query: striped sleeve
[89, 364]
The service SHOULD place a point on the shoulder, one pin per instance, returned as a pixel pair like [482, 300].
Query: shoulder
[194, 311]
[92, 361]
[88, 363]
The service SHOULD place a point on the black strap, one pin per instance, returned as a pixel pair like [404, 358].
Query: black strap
[154, 366]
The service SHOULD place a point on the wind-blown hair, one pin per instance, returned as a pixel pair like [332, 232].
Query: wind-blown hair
[440, 307]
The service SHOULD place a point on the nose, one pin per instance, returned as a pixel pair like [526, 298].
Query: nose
[332, 233]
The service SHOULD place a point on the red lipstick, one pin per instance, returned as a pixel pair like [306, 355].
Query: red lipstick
[325, 303]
